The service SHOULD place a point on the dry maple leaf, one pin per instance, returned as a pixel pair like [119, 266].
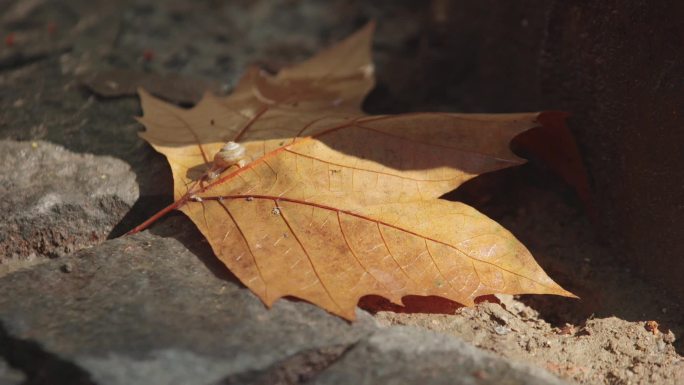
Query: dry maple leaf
[333, 204]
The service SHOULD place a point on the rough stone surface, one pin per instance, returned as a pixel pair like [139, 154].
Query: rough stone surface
[54, 201]
[403, 355]
[155, 309]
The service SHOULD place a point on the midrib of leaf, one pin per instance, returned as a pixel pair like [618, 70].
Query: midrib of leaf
[426, 143]
[266, 156]
[363, 169]
[356, 122]
[276, 199]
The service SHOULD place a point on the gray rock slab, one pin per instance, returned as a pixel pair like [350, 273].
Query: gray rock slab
[55, 201]
[146, 309]
[405, 355]
[158, 308]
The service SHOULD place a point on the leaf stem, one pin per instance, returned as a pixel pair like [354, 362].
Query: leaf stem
[158, 215]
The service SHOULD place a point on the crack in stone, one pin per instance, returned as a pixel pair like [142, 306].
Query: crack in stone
[38, 365]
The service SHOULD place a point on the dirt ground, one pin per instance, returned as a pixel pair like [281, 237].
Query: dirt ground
[609, 336]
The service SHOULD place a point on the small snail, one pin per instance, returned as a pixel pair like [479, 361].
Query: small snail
[231, 154]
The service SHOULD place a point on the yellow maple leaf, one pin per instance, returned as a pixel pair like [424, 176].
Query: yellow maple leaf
[329, 204]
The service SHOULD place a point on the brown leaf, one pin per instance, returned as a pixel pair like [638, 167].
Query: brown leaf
[554, 144]
[334, 204]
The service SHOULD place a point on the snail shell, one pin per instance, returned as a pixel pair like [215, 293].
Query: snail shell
[230, 154]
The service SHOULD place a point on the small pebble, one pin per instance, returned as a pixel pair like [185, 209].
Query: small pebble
[652, 326]
[67, 268]
[501, 330]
